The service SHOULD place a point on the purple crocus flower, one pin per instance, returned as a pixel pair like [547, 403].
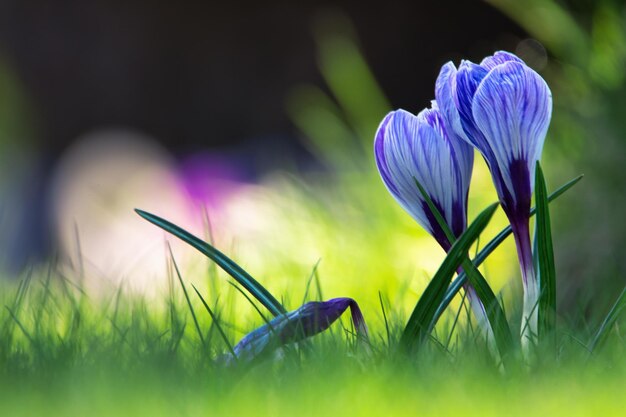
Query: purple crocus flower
[423, 148]
[503, 108]
[409, 148]
[310, 319]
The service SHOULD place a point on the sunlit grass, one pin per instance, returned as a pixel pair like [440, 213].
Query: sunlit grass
[63, 352]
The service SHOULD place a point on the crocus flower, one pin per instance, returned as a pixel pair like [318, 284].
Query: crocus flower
[422, 148]
[308, 320]
[502, 107]
[409, 148]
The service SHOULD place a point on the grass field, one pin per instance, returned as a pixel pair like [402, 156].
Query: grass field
[64, 352]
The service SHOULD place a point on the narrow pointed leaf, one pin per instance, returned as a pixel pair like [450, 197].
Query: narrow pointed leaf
[418, 326]
[238, 273]
[189, 305]
[435, 212]
[216, 322]
[493, 310]
[382, 308]
[491, 246]
[545, 262]
[609, 322]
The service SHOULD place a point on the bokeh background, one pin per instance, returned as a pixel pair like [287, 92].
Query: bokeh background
[252, 126]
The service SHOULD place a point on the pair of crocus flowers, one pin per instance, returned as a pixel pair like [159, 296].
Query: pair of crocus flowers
[500, 107]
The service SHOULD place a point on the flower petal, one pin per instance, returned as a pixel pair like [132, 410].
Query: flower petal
[393, 150]
[445, 88]
[498, 58]
[379, 153]
[409, 148]
[468, 79]
[310, 319]
[512, 108]
[448, 163]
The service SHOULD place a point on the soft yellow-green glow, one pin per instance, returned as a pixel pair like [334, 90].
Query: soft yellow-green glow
[365, 242]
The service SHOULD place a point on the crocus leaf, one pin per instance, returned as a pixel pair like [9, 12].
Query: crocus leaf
[238, 273]
[545, 262]
[491, 246]
[418, 326]
[493, 310]
[608, 322]
[312, 318]
[436, 213]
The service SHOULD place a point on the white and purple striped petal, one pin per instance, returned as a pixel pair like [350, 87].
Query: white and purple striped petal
[498, 58]
[409, 148]
[468, 78]
[504, 109]
[512, 108]
[445, 89]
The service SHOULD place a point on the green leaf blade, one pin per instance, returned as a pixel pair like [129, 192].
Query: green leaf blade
[436, 214]
[491, 246]
[545, 262]
[495, 315]
[216, 322]
[238, 273]
[608, 322]
[418, 326]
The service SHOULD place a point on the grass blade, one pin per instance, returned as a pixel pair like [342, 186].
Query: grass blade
[456, 320]
[247, 297]
[382, 307]
[545, 262]
[491, 246]
[418, 326]
[310, 279]
[609, 322]
[238, 273]
[216, 323]
[191, 310]
[21, 326]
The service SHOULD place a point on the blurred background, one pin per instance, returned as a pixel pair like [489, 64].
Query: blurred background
[253, 126]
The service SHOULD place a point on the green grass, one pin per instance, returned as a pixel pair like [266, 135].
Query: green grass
[323, 384]
[67, 352]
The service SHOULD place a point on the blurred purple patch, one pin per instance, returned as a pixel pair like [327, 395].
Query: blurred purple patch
[310, 319]
[209, 178]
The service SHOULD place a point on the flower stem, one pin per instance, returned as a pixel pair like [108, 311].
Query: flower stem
[530, 284]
